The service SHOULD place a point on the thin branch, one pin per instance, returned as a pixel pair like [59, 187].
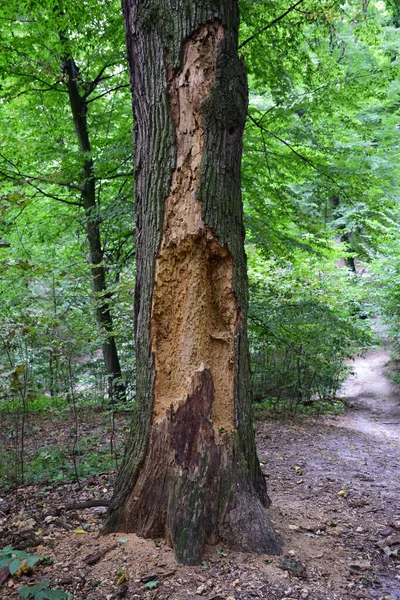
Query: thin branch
[94, 83]
[118, 87]
[128, 158]
[47, 195]
[100, 77]
[43, 81]
[330, 84]
[28, 179]
[107, 177]
[282, 16]
[303, 158]
[50, 89]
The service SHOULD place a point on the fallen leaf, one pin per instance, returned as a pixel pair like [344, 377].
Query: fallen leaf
[360, 565]
[390, 552]
[80, 531]
[293, 566]
[122, 579]
[202, 590]
[152, 585]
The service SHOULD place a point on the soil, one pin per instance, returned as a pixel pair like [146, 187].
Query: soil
[335, 487]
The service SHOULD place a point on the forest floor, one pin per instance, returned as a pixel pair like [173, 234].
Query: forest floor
[335, 487]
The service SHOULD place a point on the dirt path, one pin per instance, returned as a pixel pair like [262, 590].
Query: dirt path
[335, 487]
[339, 478]
[374, 399]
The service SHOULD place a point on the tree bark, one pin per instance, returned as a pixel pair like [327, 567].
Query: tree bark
[104, 319]
[190, 472]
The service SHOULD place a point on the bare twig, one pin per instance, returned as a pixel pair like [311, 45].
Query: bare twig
[76, 425]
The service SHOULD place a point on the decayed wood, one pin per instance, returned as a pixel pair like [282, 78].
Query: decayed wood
[86, 504]
[4, 574]
[92, 559]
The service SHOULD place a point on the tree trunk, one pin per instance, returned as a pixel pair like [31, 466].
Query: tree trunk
[104, 319]
[345, 236]
[190, 473]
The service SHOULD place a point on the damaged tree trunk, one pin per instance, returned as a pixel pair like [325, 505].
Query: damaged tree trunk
[190, 473]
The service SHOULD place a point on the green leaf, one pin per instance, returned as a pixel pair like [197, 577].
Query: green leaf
[152, 585]
[32, 590]
[19, 553]
[32, 560]
[54, 595]
[4, 562]
[14, 565]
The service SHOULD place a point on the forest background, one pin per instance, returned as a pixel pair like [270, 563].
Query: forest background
[320, 192]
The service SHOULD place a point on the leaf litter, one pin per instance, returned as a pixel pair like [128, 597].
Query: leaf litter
[345, 546]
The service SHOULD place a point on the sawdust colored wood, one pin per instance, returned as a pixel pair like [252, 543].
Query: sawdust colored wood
[190, 473]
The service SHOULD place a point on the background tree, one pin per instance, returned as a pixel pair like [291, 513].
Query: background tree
[61, 76]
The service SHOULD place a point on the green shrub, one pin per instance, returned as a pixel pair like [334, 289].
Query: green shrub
[303, 325]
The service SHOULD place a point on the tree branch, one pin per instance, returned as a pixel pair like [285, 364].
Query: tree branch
[53, 197]
[303, 158]
[49, 86]
[118, 87]
[117, 176]
[29, 178]
[282, 16]
[99, 77]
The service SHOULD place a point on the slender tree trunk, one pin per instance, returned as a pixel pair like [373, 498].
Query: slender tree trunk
[345, 236]
[99, 285]
[190, 472]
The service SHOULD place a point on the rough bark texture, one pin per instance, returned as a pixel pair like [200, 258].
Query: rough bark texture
[190, 473]
[104, 319]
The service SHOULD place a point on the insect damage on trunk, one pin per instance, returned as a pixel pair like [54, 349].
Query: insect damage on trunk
[194, 311]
